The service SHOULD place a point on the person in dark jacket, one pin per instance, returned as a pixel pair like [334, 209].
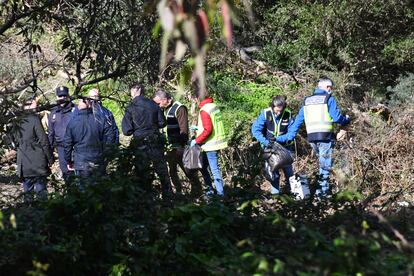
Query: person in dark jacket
[272, 123]
[177, 137]
[85, 141]
[143, 118]
[101, 113]
[58, 121]
[34, 156]
[320, 111]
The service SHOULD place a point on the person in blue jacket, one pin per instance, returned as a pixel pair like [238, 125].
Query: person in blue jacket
[58, 120]
[85, 142]
[270, 126]
[320, 111]
[101, 114]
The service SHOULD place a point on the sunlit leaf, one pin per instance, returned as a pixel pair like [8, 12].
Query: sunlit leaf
[13, 221]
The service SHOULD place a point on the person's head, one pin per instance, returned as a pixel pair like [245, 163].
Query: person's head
[93, 94]
[83, 104]
[30, 104]
[325, 84]
[137, 89]
[62, 93]
[162, 98]
[278, 104]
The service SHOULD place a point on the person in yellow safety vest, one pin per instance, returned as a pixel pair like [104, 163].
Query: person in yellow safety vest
[320, 111]
[272, 123]
[177, 137]
[211, 137]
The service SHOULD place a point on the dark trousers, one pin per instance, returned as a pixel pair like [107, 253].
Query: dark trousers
[66, 174]
[150, 151]
[34, 185]
[175, 158]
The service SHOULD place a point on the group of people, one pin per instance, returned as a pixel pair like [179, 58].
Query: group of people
[83, 134]
[319, 112]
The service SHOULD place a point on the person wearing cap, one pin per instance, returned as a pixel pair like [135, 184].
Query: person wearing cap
[143, 120]
[85, 140]
[59, 118]
[272, 123]
[177, 137]
[34, 155]
[320, 111]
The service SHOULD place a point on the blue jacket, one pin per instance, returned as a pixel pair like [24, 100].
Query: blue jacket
[143, 117]
[101, 114]
[57, 123]
[85, 140]
[333, 110]
[259, 128]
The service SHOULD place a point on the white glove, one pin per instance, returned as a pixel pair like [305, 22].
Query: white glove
[341, 135]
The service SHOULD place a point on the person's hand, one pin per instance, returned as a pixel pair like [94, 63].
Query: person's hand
[70, 167]
[192, 143]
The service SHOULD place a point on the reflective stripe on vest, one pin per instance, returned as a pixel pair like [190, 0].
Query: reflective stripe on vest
[217, 139]
[317, 117]
[281, 128]
[173, 127]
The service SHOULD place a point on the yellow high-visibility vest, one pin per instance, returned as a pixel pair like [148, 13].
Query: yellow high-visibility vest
[319, 122]
[217, 139]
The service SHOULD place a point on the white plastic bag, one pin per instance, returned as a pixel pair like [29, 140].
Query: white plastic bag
[299, 187]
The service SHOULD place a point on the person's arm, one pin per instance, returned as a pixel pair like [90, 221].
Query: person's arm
[51, 130]
[127, 124]
[68, 144]
[108, 133]
[114, 128]
[43, 140]
[293, 128]
[207, 127]
[257, 129]
[162, 122]
[336, 113]
[182, 118]
[109, 118]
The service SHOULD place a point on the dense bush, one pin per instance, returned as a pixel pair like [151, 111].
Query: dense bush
[116, 228]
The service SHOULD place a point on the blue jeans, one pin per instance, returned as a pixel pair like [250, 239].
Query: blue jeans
[288, 172]
[36, 184]
[210, 160]
[324, 152]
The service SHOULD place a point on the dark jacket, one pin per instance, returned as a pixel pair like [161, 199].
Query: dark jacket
[84, 139]
[33, 149]
[177, 124]
[101, 113]
[59, 118]
[143, 118]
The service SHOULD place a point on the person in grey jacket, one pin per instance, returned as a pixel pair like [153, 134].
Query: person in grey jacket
[34, 155]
